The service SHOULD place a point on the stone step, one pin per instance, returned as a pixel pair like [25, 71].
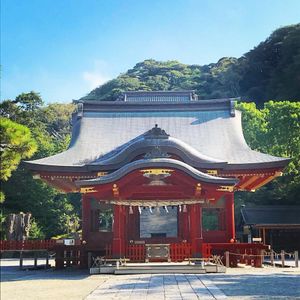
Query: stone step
[158, 269]
[123, 271]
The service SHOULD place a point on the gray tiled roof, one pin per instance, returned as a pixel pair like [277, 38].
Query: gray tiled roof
[271, 215]
[210, 128]
[159, 162]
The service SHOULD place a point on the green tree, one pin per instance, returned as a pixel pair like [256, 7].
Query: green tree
[35, 231]
[274, 129]
[29, 102]
[16, 144]
[254, 125]
[50, 127]
[269, 71]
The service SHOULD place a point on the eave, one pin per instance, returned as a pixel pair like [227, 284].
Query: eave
[158, 163]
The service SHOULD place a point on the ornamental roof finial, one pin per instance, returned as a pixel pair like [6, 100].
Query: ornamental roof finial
[156, 133]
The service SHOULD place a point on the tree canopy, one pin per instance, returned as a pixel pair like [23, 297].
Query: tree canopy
[16, 144]
[49, 130]
[275, 129]
[269, 71]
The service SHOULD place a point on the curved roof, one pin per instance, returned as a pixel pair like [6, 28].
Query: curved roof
[163, 147]
[208, 129]
[161, 163]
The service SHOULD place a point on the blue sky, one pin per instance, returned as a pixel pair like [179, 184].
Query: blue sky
[65, 48]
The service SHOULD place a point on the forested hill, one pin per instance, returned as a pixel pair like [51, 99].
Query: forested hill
[269, 71]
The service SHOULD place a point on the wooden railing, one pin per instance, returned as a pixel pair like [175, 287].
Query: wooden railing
[236, 252]
[27, 245]
[66, 256]
[135, 252]
[206, 250]
[180, 251]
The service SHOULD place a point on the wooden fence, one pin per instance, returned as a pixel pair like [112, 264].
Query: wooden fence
[135, 253]
[27, 245]
[206, 250]
[230, 253]
[66, 256]
[180, 251]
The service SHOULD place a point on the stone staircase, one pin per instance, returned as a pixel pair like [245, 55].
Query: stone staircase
[159, 268]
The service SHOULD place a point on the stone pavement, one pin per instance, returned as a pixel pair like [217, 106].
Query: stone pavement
[263, 284]
[246, 283]
[157, 286]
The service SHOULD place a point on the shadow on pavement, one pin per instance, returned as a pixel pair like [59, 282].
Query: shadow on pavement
[13, 273]
[263, 286]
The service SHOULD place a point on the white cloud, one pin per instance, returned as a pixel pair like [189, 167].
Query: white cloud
[94, 78]
[98, 74]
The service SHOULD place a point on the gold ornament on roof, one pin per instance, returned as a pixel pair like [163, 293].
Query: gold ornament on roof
[225, 188]
[148, 172]
[85, 190]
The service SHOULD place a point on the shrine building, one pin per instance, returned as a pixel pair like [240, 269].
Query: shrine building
[157, 168]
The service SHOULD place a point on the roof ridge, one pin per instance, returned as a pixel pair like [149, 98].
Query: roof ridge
[225, 104]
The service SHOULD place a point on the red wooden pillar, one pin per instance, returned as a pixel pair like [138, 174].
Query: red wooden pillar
[86, 220]
[230, 227]
[137, 223]
[118, 232]
[183, 224]
[125, 226]
[195, 212]
[86, 229]
[132, 223]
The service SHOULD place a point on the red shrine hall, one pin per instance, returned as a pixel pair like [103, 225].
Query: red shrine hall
[157, 168]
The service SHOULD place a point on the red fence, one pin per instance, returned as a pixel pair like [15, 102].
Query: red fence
[180, 251]
[206, 250]
[250, 254]
[136, 252]
[27, 245]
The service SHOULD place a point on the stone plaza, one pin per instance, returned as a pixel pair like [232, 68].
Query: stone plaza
[236, 283]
